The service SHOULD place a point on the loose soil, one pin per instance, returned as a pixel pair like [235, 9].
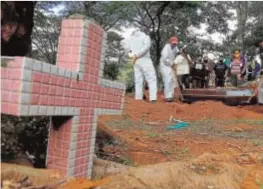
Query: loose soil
[142, 137]
[221, 148]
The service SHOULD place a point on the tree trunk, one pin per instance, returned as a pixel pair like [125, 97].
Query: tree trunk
[16, 27]
[242, 14]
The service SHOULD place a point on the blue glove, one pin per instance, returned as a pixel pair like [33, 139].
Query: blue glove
[178, 126]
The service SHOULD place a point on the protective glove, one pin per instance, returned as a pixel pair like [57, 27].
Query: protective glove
[132, 57]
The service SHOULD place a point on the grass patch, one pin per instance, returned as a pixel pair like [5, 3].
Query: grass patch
[214, 128]
[152, 134]
[257, 142]
[166, 152]
[126, 161]
[182, 151]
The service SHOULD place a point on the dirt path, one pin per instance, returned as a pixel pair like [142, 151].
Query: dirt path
[214, 128]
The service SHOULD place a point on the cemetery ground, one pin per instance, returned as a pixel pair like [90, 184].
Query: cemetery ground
[222, 146]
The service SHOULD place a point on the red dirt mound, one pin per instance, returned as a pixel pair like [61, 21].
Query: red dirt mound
[142, 110]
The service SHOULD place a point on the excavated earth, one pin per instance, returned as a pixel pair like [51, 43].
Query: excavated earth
[222, 147]
[233, 133]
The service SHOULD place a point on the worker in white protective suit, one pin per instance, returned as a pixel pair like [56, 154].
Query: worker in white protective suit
[140, 44]
[166, 67]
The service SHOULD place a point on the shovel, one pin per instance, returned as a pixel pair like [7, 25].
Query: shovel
[179, 89]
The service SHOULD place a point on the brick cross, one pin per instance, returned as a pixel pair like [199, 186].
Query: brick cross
[74, 88]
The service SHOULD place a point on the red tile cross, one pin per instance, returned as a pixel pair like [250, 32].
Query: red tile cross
[74, 87]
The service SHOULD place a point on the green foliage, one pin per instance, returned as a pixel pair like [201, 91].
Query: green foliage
[111, 71]
[45, 34]
[108, 14]
[115, 56]
[127, 76]
[249, 25]
[9, 138]
[4, 63]
[24, 134]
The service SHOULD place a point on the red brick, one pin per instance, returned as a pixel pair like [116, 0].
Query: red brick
[52, 90]
[44, 89]
[8, 84]
[66, 24]
[51, 100]
[66, 136]
[14, 109]
[67, 82]
[65, 145]
[77, 170]
[4, 107]
[65, 153]
[53, 80]
[5, 96]
[37, 77]
[50, 153]
[16, 85]
[3, 84]
[45, 78]
[16, 74]
[60, 81]
[36, 88]
[34, 99]
[82, 167]
[78, 23]
[78, 155]
[43, 99]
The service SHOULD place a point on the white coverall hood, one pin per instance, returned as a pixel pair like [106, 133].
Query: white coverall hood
[166, 63]
[140, 45]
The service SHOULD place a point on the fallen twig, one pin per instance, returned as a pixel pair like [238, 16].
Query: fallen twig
[153, 123]
[172, 119]
[200, 142]
[233, 145]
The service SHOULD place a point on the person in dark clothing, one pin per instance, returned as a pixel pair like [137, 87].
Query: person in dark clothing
[220, 72]
[198, 74]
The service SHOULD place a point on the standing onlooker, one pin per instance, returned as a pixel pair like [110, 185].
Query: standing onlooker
[220, 73]
[183, 62]
[238, 67]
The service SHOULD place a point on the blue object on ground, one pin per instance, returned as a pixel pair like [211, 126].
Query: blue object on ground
[179, 125]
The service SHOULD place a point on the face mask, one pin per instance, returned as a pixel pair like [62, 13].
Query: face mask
[173, 46]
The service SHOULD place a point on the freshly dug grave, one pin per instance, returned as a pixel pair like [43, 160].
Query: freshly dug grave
[214, 128]
[235, 162]
[208, 171]
[215, 171]
[141, 110]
